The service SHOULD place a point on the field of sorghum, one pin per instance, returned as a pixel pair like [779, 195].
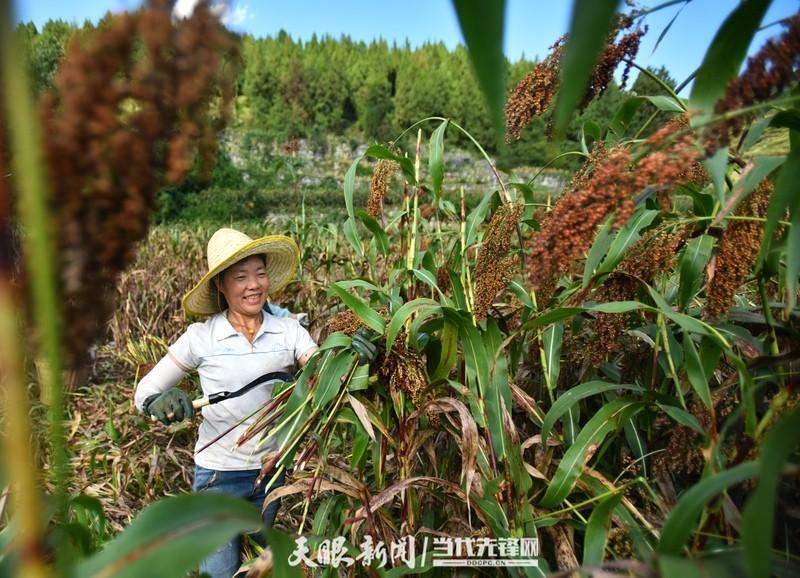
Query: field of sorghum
[612, 371]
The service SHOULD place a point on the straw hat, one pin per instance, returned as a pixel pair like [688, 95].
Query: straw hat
[228, 246]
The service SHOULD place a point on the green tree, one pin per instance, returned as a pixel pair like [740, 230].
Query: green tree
[46, 52]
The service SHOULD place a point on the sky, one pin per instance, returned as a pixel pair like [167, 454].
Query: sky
[531, 25]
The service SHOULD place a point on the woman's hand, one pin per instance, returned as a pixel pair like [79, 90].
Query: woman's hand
[168, 407]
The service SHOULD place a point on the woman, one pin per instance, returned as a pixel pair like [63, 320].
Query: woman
[236, 344]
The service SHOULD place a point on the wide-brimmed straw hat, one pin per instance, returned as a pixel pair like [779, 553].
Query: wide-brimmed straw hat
[228, 246]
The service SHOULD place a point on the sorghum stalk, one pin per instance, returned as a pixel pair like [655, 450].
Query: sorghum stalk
[32, 206]
[412, 244]
[20, 468]
[465, 276]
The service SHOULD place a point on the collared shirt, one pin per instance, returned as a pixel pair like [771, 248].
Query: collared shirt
[226, 361]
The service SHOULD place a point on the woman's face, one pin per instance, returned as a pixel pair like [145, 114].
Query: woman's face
[244, 285]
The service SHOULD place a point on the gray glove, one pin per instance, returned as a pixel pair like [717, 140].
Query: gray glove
[362, 344]
[168, 407]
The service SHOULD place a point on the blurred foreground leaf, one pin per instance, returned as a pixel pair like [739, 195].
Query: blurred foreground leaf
[589, 27]
[482, 26]
[172, 536]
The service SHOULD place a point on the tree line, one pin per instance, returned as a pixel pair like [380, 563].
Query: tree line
[290, 88]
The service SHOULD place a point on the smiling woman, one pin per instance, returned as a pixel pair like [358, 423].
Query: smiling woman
[239, 343]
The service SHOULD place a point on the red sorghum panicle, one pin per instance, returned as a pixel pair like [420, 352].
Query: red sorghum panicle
[443, 278]
[533, 94]
[654, 253]
[405, 370]
[346, 322]
[604, 185]
[381, 179]
[608, 183]
[131, 106]
[774, 68]
[625, 49]
[491, 282]
[738, 250]
[495, 266]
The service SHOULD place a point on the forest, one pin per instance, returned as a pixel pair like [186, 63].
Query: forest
[289, 89]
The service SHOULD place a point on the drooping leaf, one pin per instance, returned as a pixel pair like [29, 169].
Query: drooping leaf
[785, 197]
[759, 168]
[330, 376]
[624, 115]
[429, 279]
[449, 353]
[474, 219]
[551, 341]
[381, 152]
[598, 250]
[522, 294]
[626, 237]
[717, 167]
[759, 512]
[419, 306]
[551, 316]
[380, 236]
[695, 370]
[363, 415]
[360, 283]
[692, 264]
[590, 24]
[682, 416]
[573, 395]
[685, 321]
[482, 25]
[605, 420]
[349, 187]
[368, 316]
[360, 379]
[636, 443]
[351, 234]
[666, 103]
[594, 542]
[436, 159]
[172, 536]
[682, 521]
[476, 363]
[617, 307]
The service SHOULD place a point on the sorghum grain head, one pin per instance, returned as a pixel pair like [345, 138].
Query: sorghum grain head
[769, 72]
[738, 250]
[115, 128]
[381, 179]
[495, 267]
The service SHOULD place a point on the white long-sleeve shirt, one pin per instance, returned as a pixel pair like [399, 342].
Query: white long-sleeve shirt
[226, 361]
